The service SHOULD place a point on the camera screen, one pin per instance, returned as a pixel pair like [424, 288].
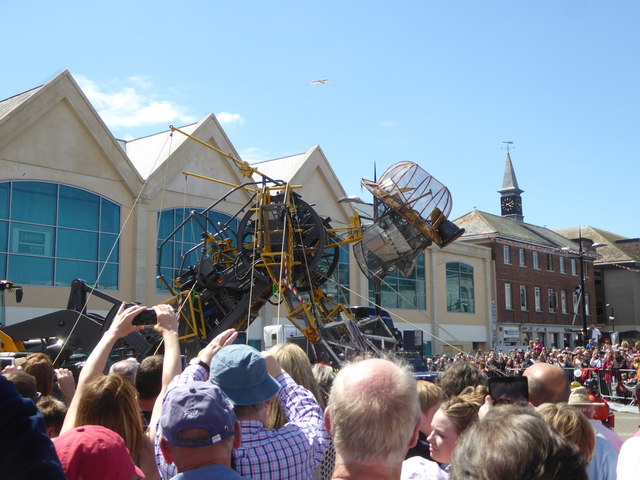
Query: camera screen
[509, 390]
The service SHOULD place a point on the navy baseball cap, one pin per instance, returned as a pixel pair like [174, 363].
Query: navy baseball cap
[197, 405]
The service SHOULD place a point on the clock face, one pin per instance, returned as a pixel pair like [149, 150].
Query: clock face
[508, 204]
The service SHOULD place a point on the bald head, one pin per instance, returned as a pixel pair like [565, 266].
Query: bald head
[373, 411]
[547, 384]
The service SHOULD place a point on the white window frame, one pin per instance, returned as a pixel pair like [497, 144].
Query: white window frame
[549, 262]
[561, 260]
[586, 304]
[574, 267]
[507, 297]
[536, 260]
[523, 298]
[553, 300]
[522, 257]
[506, 254]
[537, 299]
[563, 301]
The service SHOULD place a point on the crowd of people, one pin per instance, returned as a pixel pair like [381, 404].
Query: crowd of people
[615, 367]
[233, 412]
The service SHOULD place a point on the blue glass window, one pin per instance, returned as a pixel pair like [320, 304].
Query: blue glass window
[78, 209]
[4, 200]
[109, 216]
[460, 292]
[174, 252]
[30, 270]
[52, 234]
[338, 286]
[397, 291]
[4, 230]
[34, 202]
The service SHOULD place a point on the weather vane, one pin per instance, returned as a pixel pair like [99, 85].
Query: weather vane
[509, 145]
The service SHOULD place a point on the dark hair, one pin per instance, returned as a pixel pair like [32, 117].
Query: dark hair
[53, 411]
[149, 377]
[522, 446]
[25, 384]
[458, 375]
[41, 367]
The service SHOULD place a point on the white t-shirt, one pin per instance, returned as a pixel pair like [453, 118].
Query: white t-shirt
[629, 460]
[418, 468]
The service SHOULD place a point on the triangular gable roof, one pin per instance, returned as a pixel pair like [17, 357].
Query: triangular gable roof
[11, 103]
[481, 224]
[189, 155]
[312, 171]
[610, 251]
[27, 108]
[281, 168]
[148, 153]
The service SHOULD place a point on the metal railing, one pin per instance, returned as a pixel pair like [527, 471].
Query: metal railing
[613, 384]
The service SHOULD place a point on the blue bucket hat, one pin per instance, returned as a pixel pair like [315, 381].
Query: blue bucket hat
[197, 405]
[241, 372]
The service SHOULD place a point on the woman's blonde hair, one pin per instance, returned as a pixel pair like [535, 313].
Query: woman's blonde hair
[571, 424]
[110, 401]
[295, 362]
[429, 395]
[462, 410]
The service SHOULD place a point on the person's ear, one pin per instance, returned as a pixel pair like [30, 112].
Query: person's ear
[164, 448]
[327, 418]
[237, 440]
[414, 436]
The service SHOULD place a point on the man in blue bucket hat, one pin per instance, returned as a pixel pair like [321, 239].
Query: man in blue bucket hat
[252, 381]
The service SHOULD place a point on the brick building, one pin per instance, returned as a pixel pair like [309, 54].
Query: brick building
[617, 279]
[537, 274]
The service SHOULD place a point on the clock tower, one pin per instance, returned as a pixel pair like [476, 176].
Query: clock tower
[510, 200]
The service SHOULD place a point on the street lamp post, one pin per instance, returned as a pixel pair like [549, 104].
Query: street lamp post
[583, 295]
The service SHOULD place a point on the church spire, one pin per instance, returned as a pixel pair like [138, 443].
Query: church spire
[510, 201]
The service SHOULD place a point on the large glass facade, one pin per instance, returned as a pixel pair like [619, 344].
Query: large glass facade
[396, 291]
[185, 239]
[338, 286]
[51, 234]
[460, 293]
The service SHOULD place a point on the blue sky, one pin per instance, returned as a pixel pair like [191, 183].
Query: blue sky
[442, 84]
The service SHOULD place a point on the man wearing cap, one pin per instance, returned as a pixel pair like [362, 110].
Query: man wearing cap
[251, 381]
[199, 431]
[580, 398]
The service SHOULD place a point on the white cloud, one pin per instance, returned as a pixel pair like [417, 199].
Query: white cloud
[255, 155]
[389, 123]
[226, 118]
[131, 104]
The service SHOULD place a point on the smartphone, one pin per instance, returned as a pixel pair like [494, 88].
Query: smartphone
[6, 362]
[147, 318]
[509, 390]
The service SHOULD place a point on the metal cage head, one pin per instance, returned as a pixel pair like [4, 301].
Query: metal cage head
[414, 194]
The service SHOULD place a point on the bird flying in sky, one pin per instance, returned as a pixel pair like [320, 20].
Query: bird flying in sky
[320, 81]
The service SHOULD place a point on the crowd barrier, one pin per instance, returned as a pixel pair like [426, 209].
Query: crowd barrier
[613, 384]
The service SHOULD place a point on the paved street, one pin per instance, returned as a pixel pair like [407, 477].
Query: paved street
[627, 420]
